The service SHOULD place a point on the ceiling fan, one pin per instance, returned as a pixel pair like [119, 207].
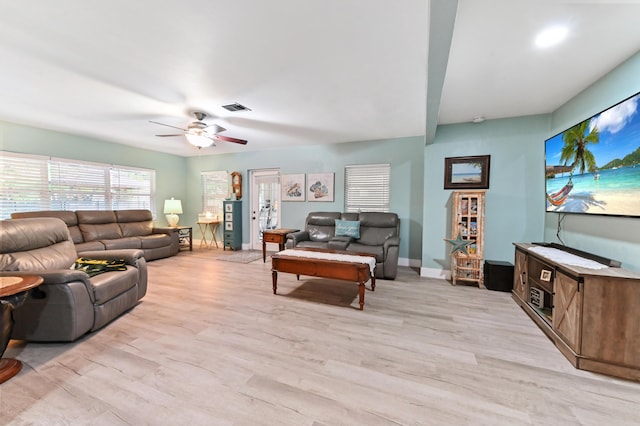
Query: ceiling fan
[201, 134]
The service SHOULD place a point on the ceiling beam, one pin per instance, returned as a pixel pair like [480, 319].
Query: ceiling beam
[442, 16]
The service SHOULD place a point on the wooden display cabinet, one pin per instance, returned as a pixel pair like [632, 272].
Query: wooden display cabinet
[591, 315]
[468, 222]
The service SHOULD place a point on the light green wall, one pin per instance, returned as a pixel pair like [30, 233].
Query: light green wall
[613, 237]
[515, 199]
[170, 169]
[404, 155]
[515, 208]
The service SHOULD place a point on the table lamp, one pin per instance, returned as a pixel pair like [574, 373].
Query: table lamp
[172, 208]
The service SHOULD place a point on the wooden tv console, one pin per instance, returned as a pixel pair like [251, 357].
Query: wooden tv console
[592, 315]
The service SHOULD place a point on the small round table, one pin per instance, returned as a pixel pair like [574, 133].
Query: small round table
[13, 292]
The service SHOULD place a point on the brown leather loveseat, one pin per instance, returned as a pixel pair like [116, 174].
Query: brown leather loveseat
[113, 230]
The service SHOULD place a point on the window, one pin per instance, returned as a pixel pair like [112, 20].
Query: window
[366, 187]
[215, 188]
[32, 183]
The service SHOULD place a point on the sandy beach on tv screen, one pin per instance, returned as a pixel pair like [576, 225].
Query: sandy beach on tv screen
[624, 203]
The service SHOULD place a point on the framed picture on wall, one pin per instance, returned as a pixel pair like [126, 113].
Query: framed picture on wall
[292, 187]
[320, 186]
[467, 172]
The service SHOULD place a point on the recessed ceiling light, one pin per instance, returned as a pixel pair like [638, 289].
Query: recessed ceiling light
[551, 36]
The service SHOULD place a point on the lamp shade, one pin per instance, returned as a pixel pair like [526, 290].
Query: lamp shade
[172, 208]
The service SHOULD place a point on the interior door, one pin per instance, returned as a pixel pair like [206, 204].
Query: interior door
[265, 203]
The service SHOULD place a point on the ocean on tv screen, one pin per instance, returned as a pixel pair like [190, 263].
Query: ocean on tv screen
[594, 166]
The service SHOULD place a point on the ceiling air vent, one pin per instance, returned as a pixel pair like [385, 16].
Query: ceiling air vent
[235, 107]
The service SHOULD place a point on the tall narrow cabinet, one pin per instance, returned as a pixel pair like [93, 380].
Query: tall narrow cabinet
[468, 224]
[232, 225]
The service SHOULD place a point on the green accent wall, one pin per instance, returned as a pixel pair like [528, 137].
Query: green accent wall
[170, 169]
[515, 198]
[404, 155]
[614, 237]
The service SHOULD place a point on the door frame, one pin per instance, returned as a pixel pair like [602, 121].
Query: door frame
[255, 241]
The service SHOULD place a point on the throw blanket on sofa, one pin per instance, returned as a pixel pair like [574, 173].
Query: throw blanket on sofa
[94, 267]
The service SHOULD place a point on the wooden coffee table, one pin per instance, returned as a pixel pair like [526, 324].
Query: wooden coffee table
[13, 292]
[347, 270]
[278, 236]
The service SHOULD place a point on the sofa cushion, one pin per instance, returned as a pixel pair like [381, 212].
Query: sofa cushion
[136, 229]
[377, 250]
[47, 247]
[105, 231]
[134, 223]
[110, 284]
[125, 216]
[348, 228]
[312, 244]
[321, 225]
[67, 217]
[89, 246]
[98, 225]
[96, 216]
[376, 228]
[122, 243]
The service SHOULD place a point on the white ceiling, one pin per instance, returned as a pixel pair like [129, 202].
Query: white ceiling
[312, 71]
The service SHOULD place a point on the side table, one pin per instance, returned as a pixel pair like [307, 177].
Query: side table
[185, 236]
[211, 226]
[278, 236]
[13, 293]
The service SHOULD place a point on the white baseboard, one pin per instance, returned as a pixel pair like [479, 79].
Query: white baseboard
[412, 263]
[435, 273]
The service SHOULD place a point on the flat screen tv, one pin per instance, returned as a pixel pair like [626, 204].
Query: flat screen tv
[594, 166]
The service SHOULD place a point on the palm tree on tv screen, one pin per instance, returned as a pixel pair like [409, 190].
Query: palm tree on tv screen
[576, 141]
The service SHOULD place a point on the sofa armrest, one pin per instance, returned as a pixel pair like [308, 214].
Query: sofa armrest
[391, 242]
[173, 233]
[56, 277]
[294, 238]
[164, 230]
[53, 276]
[130, 256]
[340, 242]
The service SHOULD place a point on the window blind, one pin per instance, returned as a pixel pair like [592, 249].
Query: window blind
[31, 183]
[367, 187]
[24, 184]
[132, 188]
[215, 188]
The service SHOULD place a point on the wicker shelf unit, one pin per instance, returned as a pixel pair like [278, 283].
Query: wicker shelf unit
[468, 222]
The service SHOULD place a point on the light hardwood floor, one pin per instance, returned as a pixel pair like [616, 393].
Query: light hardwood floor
[211, 345]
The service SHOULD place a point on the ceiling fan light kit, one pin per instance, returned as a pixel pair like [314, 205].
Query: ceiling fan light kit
[201, 134]
[199, 141]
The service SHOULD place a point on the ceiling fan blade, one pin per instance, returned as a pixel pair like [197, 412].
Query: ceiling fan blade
[214, 128]
[168, 125]
[164, 136]
[228, 139]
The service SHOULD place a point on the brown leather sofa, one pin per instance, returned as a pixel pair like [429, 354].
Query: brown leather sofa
[378, 234]
[69, 303]
[113, 230]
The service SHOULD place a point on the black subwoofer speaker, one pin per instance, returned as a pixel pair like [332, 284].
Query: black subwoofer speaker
[498, 275]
